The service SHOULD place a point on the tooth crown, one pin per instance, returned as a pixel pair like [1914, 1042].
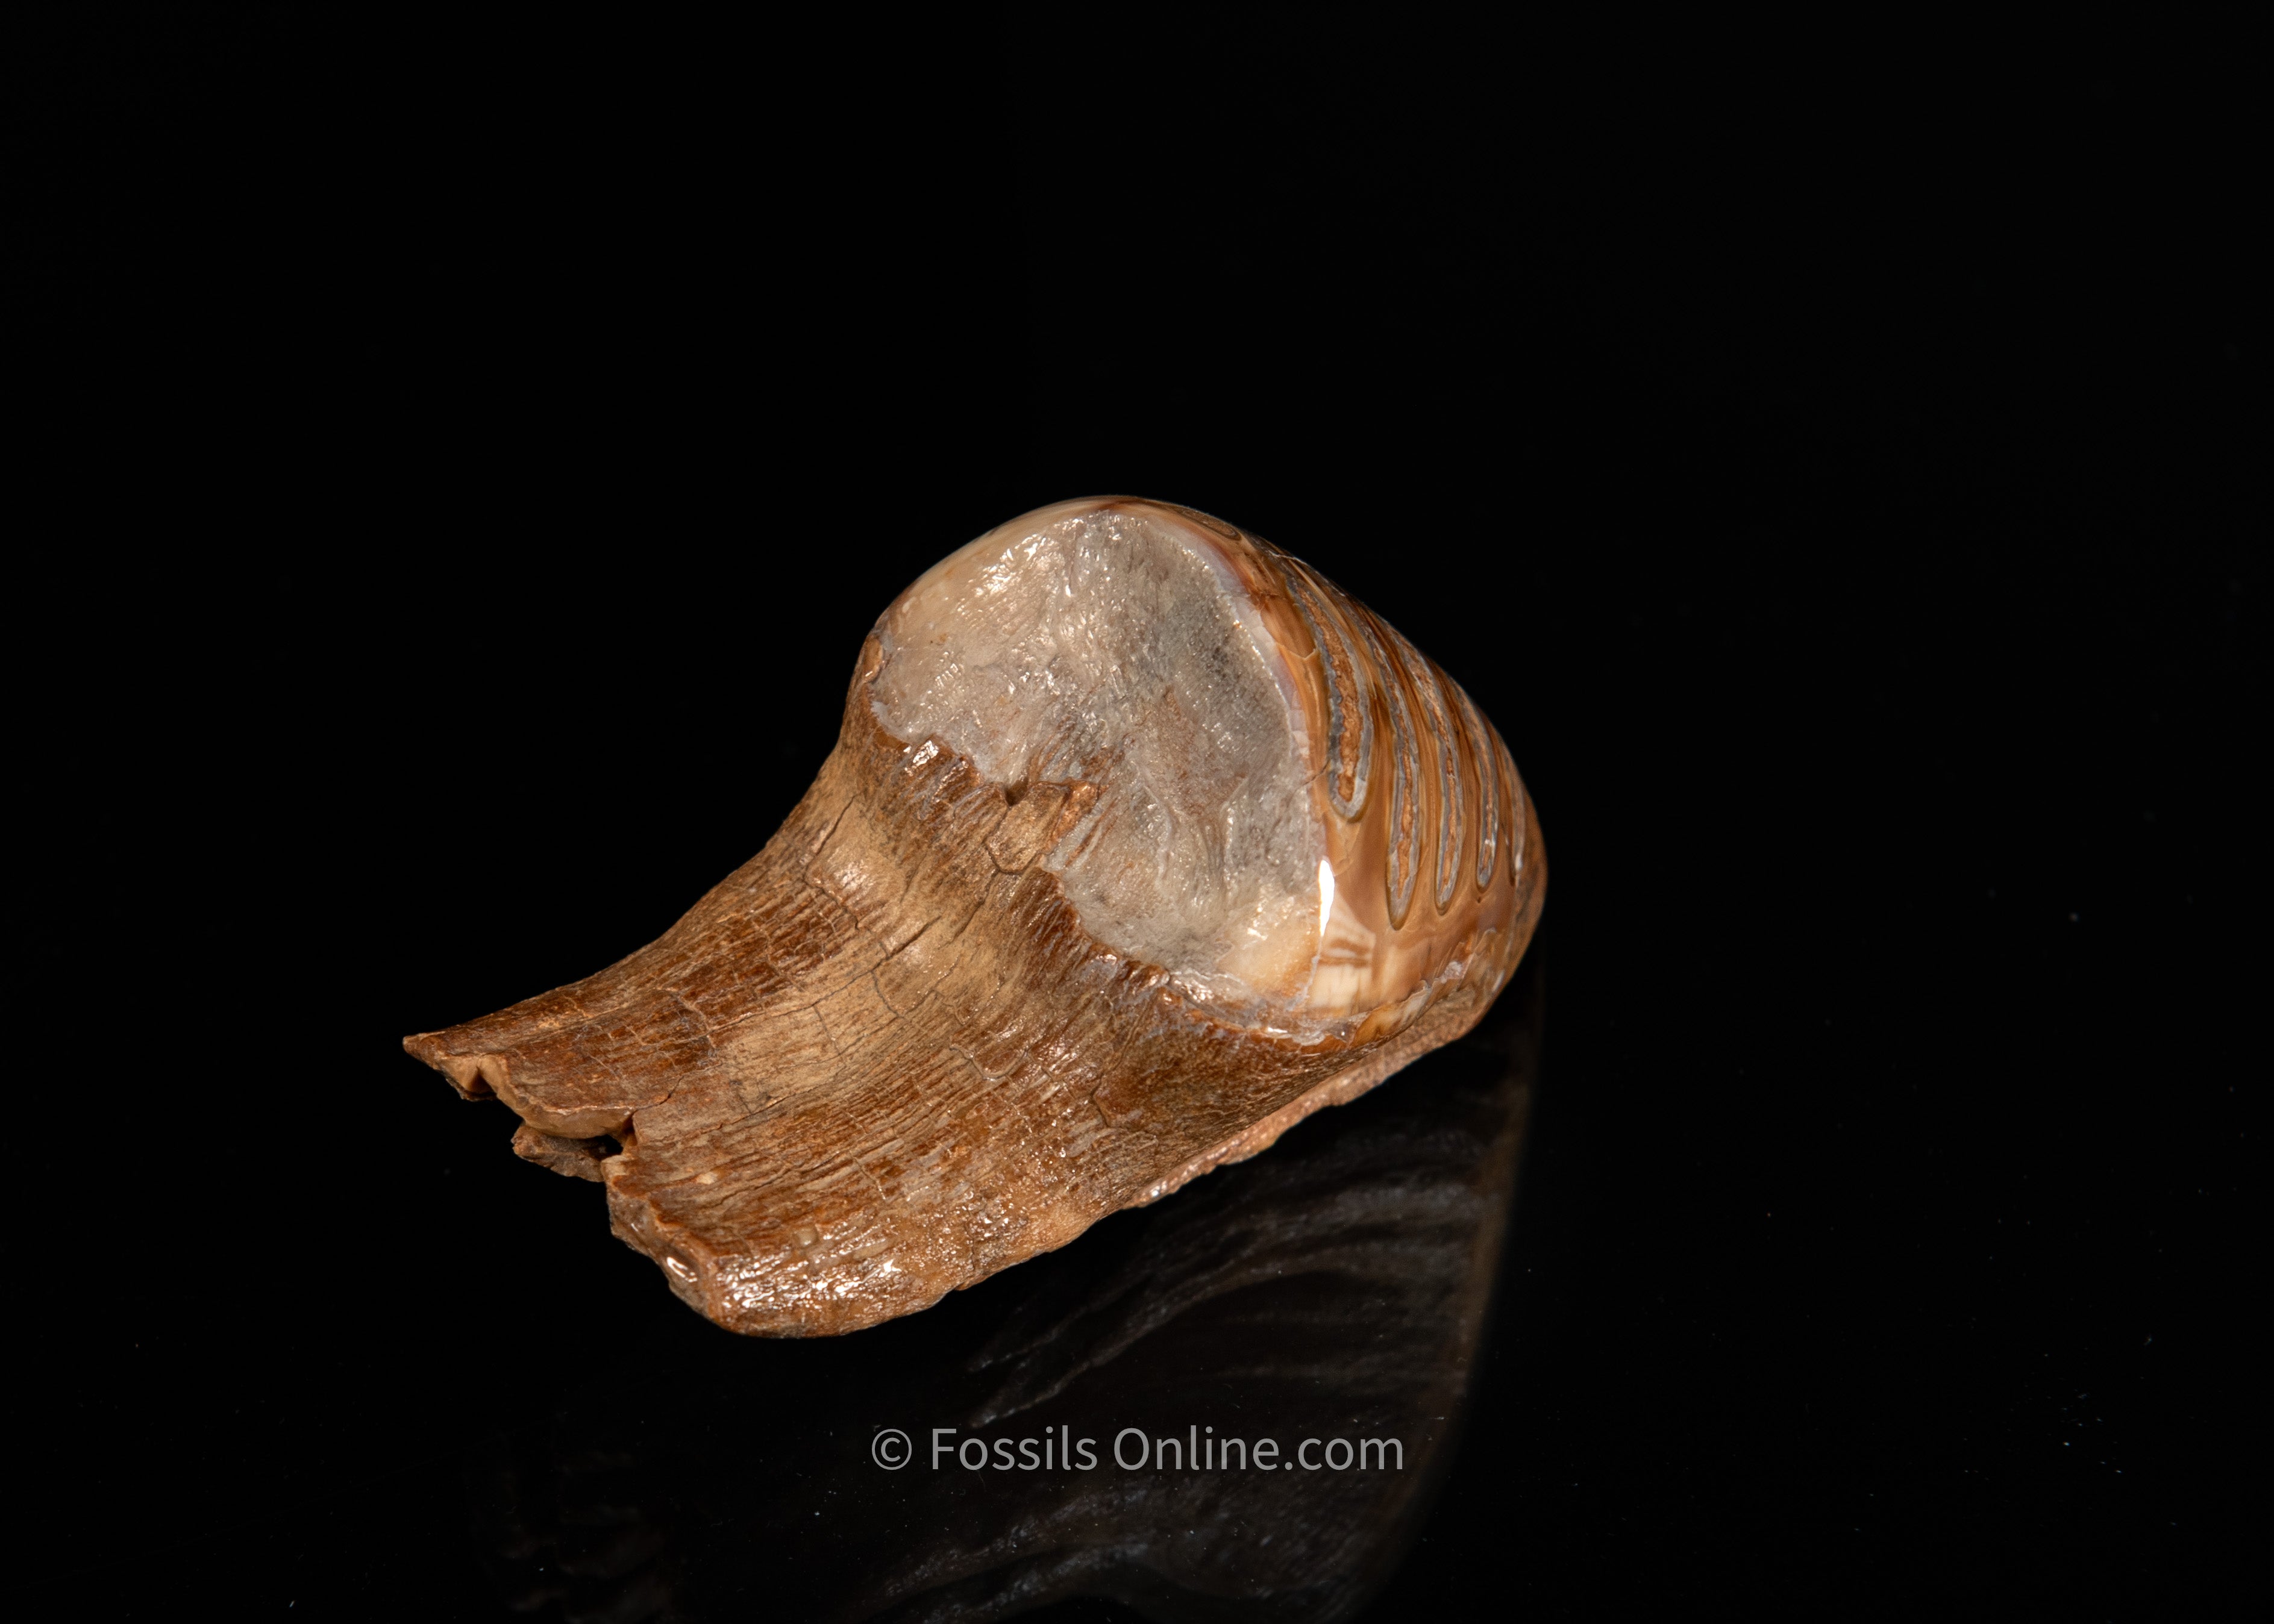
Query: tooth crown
[1226, 850]
[1436, 835]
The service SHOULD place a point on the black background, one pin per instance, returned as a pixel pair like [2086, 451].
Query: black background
[466, 458]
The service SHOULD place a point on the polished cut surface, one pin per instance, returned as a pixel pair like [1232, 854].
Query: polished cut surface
[1112, 650]
[1141, 842]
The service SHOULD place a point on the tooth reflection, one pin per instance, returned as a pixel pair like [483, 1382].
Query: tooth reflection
[1335, 1289]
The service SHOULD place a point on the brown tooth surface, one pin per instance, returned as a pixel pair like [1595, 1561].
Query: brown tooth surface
[1141, 842]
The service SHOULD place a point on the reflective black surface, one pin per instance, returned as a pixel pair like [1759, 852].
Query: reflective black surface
[462, 464]
[1322, 1305]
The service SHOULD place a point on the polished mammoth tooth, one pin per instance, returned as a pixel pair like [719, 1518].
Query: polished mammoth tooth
[1141, 842]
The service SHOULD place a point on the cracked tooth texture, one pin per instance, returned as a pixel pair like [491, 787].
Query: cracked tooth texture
[1141, 842]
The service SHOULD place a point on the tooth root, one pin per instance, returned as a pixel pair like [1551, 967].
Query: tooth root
[1035, 825]
[950, 1016]
[575, 1158]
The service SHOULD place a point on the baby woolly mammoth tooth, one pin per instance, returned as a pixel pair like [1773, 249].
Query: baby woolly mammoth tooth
[1141, 842]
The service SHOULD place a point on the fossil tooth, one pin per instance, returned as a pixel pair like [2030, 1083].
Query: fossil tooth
[1141, 842]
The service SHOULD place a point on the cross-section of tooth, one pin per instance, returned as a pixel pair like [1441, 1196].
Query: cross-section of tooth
[1141, 842]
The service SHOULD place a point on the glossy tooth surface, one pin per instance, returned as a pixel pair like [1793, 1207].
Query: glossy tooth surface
[1141, 842]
